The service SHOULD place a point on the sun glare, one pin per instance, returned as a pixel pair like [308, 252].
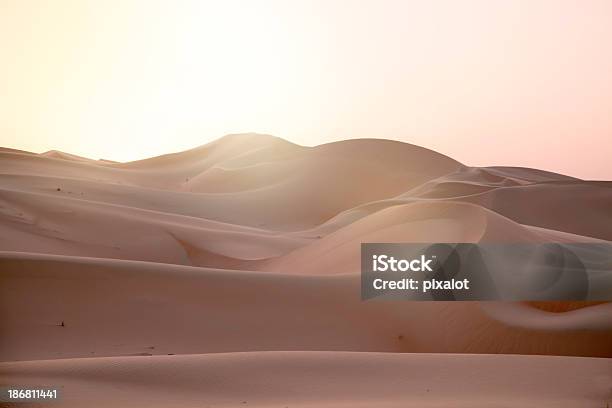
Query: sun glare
[125, 80]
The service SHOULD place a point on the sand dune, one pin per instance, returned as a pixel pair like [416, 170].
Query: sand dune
[114, 308]
[251, 244]
[323, 379]
[56, 154]
[437, 221]
[64, 225]
[262, 182]
[575, 207]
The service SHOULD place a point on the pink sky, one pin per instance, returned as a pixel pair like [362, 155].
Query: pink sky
[524, 83]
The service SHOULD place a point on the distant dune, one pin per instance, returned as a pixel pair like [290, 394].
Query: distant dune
[249, 247]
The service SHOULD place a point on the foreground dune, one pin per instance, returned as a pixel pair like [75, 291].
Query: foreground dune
[323, 379]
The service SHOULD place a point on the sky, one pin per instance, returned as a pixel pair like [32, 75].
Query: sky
[522, 83]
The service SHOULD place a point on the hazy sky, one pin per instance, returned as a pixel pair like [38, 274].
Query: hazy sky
[526, 83]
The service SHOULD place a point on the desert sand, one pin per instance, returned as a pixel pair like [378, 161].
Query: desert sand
[324, 379]
[228, 275]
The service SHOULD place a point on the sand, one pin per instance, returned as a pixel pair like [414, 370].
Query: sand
[323, 379]
[228, 275]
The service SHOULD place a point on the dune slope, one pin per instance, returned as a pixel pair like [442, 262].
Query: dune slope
[82, 307]
[323, 379]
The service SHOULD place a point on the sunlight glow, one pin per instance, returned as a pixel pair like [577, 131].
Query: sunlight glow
[125, 80]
